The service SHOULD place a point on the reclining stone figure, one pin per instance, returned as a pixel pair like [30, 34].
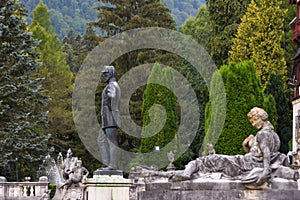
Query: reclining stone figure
[256, 168]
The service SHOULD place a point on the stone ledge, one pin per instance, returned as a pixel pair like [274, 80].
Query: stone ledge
[220, 195]
[222, 189]
[222, 184]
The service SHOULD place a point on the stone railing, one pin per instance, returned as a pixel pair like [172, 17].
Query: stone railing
[24, 190]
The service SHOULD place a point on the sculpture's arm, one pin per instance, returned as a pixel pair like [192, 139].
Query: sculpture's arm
[111, 90]
[85, 172]
[263, 144]
[245, 145]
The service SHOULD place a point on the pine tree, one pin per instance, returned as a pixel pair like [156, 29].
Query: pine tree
[76, 49]
[243, 92]
[22, 105]
[276, 88]
[58, 77]
[225, 18]
[125, 15]
[260, 37]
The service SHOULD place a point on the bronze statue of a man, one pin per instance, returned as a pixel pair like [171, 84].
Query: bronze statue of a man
[110, 118]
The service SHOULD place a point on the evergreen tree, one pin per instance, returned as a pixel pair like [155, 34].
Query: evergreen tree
[159, 95]
[58, 78]
[288, 45]
[77, 48]
[199, 27]
[243, 92]
[22, 104]
[225, 18]
[259, 38]
[200, 88]
[276, 88]
[125, 15]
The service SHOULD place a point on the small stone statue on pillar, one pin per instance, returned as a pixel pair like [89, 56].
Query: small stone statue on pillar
[171, 166]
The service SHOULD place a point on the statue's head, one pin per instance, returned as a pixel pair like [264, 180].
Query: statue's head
[108, 72]
[69, 153]
[257, 117]
[79, 163]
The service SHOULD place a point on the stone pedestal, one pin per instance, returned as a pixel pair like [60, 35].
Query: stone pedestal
[72, 193]
[107, 187]
[279, 189]
[108, 172]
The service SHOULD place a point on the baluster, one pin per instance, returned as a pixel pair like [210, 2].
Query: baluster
[18, 191]
[24, 190]
[31, 191]
[11, 191]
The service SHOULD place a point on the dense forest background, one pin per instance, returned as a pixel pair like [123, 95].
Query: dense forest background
[75, 14]
[249, 42]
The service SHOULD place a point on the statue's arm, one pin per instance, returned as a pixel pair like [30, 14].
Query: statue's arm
[111, 91]
[86, 172]
[245, 145]
[263, 144]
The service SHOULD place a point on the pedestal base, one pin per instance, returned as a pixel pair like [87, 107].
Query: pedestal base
[108, 172]
[72, 193]
[107, 187]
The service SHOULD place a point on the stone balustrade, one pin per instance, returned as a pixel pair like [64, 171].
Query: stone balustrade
[24, 190]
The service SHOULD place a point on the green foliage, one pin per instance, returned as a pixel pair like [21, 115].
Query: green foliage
[58, 77]
[76, 14]
[260, 40]
[52, 187]
[158, 113]
[243, 92]
[200, 88]
[156, 94]
[22, 100]
[225, 18]
[199, 27]
[275, 87]
[66, 15]
[288, 45]
[121, 16]
[182, 10]
[125, 15]
[76, 49]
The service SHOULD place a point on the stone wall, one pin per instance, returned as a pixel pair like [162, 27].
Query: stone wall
[278, 189]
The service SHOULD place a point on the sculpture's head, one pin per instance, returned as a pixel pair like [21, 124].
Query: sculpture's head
[108, 72]
[257, 117]
[79, 163]
[69, 153]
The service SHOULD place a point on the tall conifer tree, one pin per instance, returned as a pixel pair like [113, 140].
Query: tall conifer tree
[225, 16]
[276, 88]
[158, 94]
[22, 103]
[243, 92]
[58, 77]
[260, 37]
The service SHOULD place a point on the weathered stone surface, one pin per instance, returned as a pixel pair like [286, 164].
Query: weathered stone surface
[108, 172]
[106, 187]
[72, 193]
[279, 189]
[220, 195]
